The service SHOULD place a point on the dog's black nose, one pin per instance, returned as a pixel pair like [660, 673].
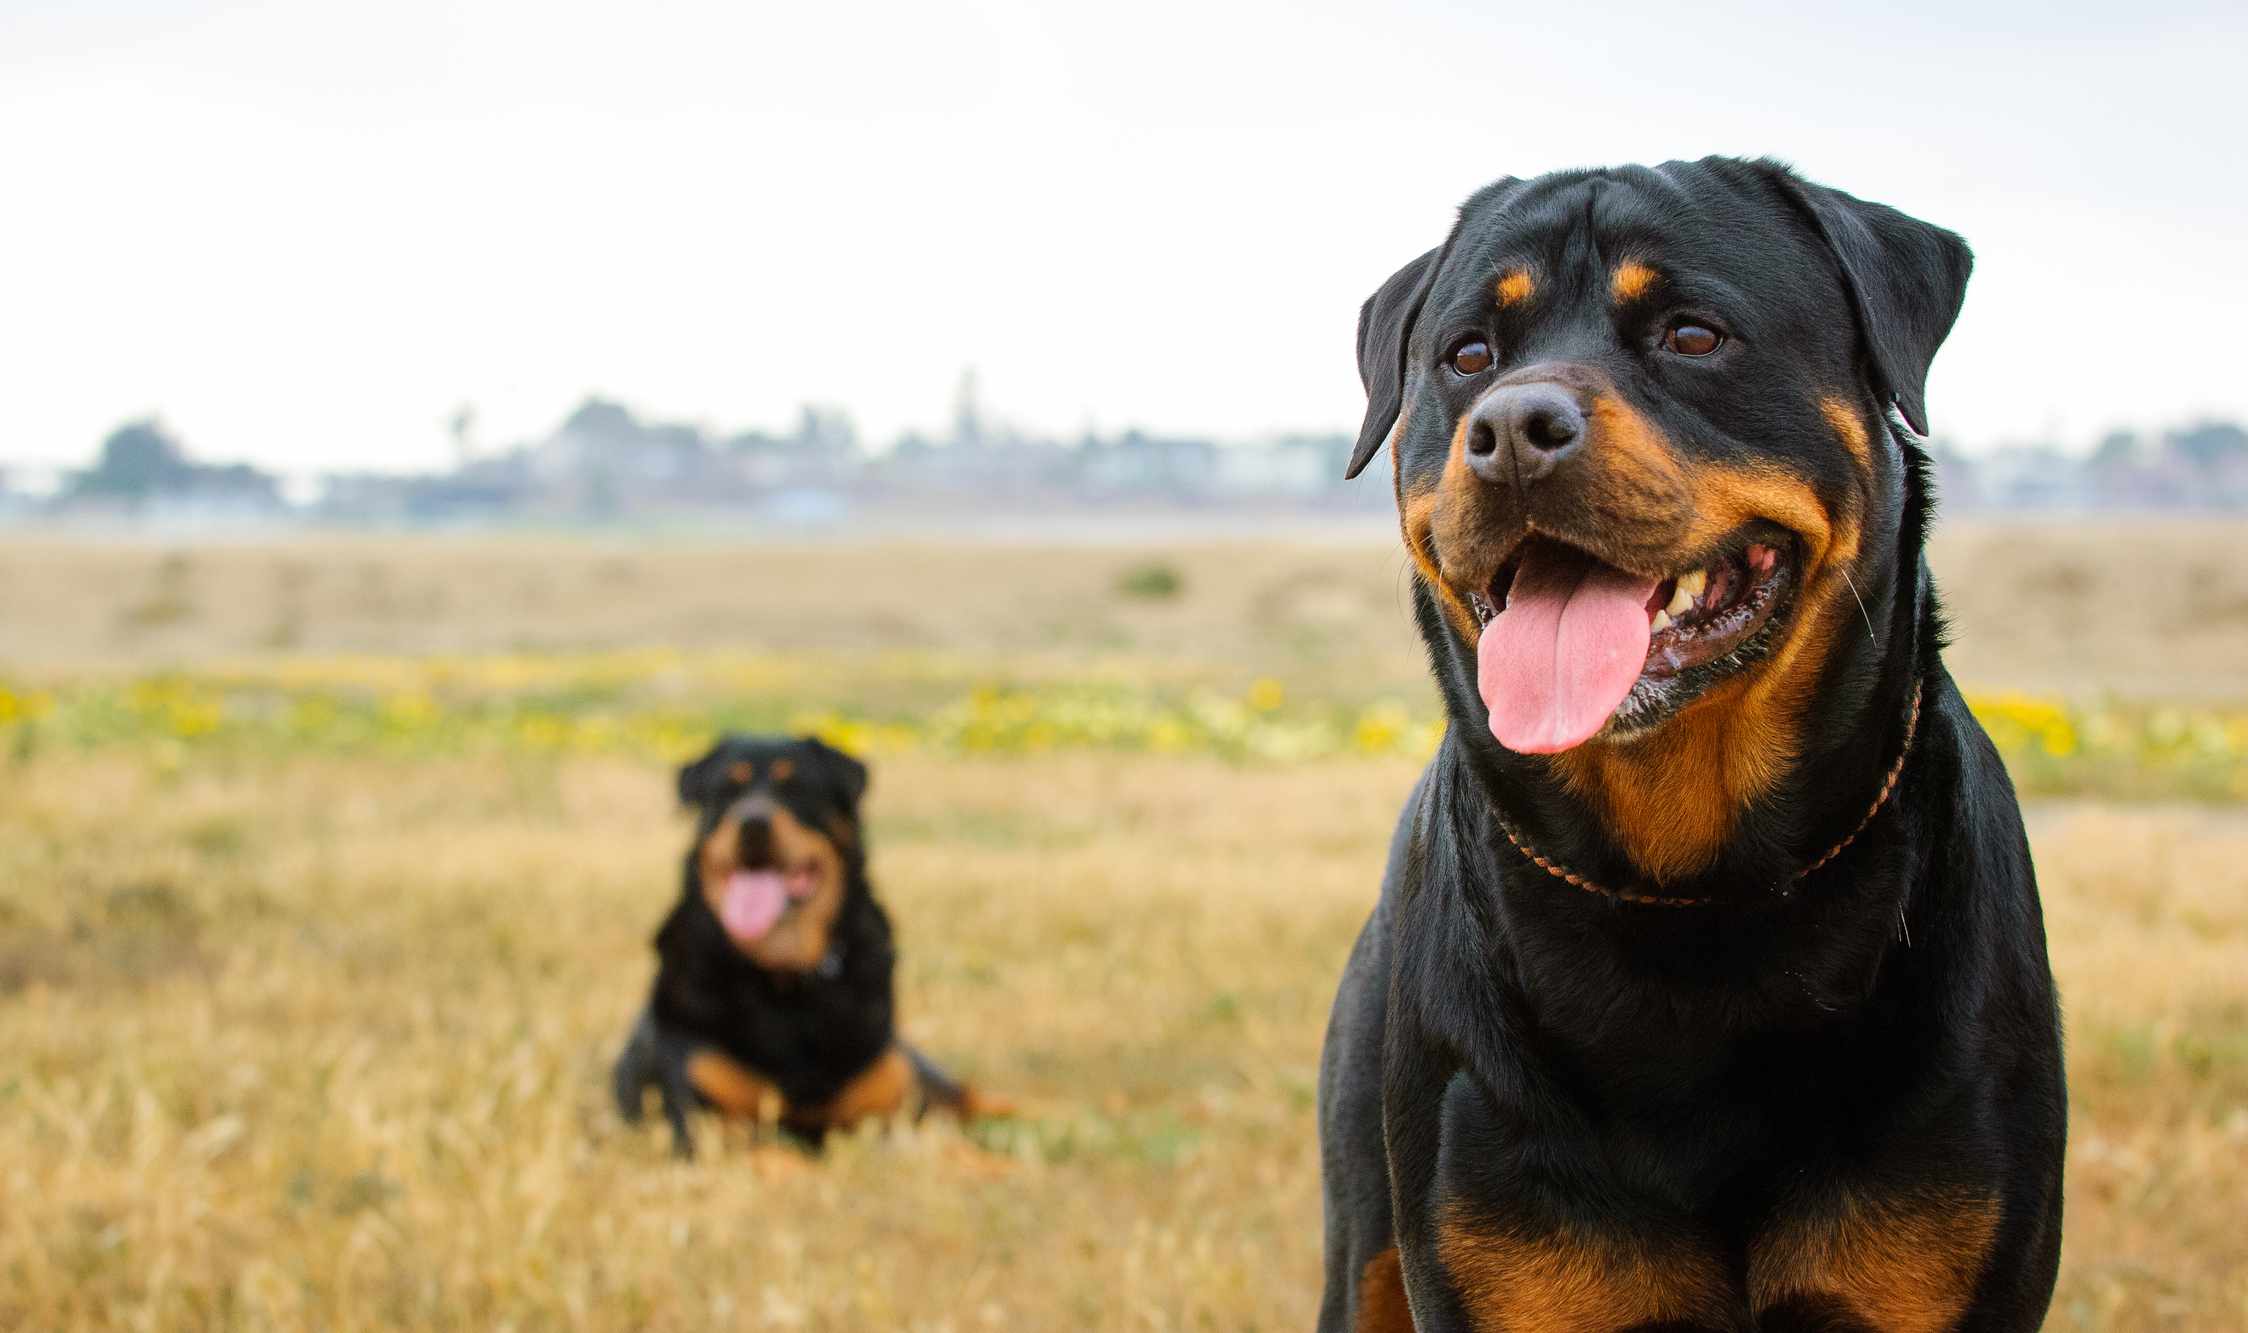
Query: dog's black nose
[1520, 432]
[754, 834]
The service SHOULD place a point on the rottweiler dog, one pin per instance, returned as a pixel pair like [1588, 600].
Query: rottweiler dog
[773, 998]
[1707, 988]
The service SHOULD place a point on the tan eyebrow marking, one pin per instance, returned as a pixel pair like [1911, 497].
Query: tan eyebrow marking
[1630, 280]
[1515, 286]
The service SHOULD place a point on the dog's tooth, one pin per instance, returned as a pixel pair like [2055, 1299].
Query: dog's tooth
[1690, 585]
[1680, 601]
[1660, 623]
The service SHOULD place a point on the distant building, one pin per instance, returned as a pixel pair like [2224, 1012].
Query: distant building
[605, 463]
[1145, 466]
[1291, 468]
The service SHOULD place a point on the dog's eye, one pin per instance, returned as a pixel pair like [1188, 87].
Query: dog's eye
[1472, 357]
[1689, 339]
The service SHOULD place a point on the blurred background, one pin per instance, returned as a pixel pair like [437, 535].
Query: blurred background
[424, 425]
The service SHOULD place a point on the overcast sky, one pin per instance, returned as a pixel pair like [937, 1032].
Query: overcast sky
[303, 233]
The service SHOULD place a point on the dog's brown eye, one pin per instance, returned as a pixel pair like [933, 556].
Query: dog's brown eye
[1472, 357]
[1691, 340]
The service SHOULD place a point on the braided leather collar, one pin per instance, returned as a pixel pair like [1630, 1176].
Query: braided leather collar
[1577, 881]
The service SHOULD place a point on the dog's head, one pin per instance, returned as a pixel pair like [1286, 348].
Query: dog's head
[777, 851]
[1645, 468]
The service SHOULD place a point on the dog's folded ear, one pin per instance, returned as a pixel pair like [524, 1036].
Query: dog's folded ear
[1385, 329]
[1906, 279]
[848, 774]
[698, 781]
[1385, 322]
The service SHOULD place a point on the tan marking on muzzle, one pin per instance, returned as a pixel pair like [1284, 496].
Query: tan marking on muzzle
[800, 940]
[1413, 518]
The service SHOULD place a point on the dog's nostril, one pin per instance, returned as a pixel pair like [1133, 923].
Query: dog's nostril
[1481, 439]
[1552, 427]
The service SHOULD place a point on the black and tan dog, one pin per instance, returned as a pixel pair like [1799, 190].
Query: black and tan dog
[1707, 988]
[773, 996]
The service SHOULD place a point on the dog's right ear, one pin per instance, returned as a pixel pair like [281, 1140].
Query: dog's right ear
[1906, 281]
[1385, 322]
[848, 774]
[698, 781]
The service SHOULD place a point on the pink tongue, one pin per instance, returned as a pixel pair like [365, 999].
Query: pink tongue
[752, 903]
[1565, 652]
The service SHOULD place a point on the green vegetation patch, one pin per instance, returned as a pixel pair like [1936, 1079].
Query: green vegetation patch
[666, 705]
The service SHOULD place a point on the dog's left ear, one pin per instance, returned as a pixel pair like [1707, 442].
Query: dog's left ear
[1906, 278]
[1384, 324]
[848, 774]
[698, 781]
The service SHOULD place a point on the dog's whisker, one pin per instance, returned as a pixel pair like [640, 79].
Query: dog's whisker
[1871, 637]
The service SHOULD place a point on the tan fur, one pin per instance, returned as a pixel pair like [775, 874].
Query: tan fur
[883, 1090]
[1382, 1307]
[1515, 287]
[1850, 428]
[1630, 281]
[1414, 517]
[1673, 798]
[880, 1091]
[1641, 481]
[1418, 514]
[1563, 1283]
[1910, 1267]
[730, 1086]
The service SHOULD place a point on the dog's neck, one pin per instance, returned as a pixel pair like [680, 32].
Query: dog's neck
[1650, 896]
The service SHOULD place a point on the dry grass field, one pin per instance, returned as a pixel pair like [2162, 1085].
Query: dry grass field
[312, 1033]
[2135, 606]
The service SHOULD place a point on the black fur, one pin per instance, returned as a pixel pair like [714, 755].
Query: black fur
[1559, 1063]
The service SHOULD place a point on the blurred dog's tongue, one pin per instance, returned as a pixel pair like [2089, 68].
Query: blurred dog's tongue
[751, 903]
[1565, 652]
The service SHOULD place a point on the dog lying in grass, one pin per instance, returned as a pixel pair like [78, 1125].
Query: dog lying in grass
[773, 993]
